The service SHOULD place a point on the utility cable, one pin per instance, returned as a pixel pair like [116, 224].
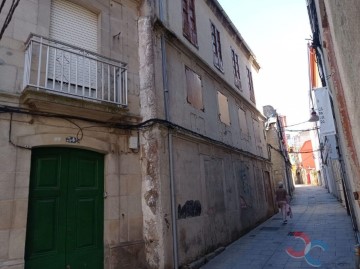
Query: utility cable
[143, 125]
[9, 15]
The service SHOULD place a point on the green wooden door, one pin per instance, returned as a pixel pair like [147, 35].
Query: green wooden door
[65, 217]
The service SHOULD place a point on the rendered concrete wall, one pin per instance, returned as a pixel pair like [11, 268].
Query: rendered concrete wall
[219, 195]
[220, 192]
[204, 16]
[207, 122]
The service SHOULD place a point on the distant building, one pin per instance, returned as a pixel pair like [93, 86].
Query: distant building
[278, 148]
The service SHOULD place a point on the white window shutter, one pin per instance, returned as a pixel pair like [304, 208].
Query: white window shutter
[73, 24]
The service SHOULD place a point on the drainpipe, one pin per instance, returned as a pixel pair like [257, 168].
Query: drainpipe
[170, 143]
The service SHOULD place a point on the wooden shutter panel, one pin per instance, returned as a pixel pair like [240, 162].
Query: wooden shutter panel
[192, 21]
[186, 25]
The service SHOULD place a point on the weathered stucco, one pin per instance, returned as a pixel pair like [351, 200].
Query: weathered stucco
[219, 169]
[340, 37]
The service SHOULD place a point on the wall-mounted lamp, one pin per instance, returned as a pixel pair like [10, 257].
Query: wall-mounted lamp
[313, 116]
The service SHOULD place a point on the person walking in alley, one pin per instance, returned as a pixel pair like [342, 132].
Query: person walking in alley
[281, 199]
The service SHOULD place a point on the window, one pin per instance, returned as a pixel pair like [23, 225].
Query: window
[189, 21]
[215, 35]
[194, 91]
[77, 26]
[256, 126]
[223, 108]
[251, 86]
[235, 60]
[243, 124]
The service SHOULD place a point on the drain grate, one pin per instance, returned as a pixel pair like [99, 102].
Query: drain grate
[269, 228]
[297, 233]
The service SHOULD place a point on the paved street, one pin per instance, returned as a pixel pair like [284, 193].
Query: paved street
[318, 218]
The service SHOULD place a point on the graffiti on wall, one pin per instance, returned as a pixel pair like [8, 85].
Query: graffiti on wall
[245, 188]
[190, 209]
[260, 185]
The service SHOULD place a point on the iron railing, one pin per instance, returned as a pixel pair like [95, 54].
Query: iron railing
[68, 70]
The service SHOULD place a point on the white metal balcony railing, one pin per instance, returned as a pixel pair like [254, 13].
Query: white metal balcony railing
[68, 70]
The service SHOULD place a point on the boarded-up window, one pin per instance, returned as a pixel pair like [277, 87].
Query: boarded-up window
[256, 131]
[235, 60]
[251, 85]
[194, 89]
[243, 124]
[189, 21]
[223, 108]
[216, 44]
[214, 176]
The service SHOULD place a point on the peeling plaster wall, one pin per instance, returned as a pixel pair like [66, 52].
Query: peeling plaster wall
[207, 121]
[229, 190]
[204, 15]
[341, 37]
[154, 156]
[220, 193]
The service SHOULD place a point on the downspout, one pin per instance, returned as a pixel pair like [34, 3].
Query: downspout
[170, 143]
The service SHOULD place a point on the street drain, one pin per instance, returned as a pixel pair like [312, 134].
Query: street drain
[269, 228]
[295, 233]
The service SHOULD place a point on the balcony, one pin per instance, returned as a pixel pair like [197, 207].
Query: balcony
[62, 74]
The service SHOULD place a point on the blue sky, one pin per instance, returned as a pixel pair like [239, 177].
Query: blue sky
[276, 31]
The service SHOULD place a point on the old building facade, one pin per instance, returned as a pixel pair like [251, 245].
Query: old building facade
[129, 135]
[336, 36]
[278, 150]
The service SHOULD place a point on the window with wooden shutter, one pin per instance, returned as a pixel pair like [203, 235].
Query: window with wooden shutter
[194, 89]
[235, 60]
[223, 104]
[189, 21]
[251, 86]
[244, 130]
[216, 44]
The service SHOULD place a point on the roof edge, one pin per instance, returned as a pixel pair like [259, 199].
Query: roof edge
[251, 55]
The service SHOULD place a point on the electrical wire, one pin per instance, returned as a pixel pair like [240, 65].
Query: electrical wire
[295, 124]
[299, 152]
[143, 125]
[304, 130]
[8, 18]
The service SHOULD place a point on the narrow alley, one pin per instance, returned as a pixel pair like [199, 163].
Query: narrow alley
[318, 218]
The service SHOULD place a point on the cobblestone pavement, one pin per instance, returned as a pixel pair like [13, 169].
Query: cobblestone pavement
[318, 218]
